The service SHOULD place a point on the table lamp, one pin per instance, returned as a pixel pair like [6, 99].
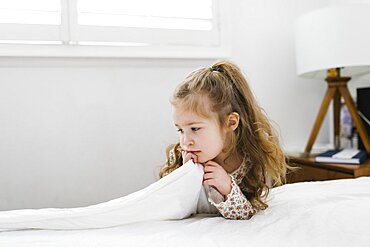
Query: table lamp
[334, 43]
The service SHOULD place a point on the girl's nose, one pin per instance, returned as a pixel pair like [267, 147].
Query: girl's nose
[188, 141]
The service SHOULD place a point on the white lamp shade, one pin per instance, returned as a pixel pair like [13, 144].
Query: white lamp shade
[336, 36]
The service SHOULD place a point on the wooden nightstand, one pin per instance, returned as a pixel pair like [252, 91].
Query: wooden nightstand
[309, 170]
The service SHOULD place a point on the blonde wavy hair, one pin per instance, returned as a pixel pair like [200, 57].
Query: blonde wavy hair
[254, 139]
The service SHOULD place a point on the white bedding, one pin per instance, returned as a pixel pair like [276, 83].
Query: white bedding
[175, 196]
[330, 213]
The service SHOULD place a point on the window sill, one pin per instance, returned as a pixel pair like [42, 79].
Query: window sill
[71, 51]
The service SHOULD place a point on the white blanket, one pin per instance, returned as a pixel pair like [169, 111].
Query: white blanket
[331, 213]
[172, 197]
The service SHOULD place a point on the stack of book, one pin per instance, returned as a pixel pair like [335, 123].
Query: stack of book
[346, 156]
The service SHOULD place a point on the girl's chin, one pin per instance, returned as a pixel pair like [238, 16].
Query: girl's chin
[200, 160]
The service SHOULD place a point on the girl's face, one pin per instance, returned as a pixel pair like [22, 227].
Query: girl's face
[201, 136]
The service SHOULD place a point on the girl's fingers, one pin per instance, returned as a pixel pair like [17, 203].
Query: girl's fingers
[208, 176]
[195, 158]
[211, 166]
[212, 163]
[210, 182]
[190, 156]
[208, 168]
[186, 158]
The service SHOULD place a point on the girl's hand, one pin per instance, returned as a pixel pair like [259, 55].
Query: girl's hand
[189, 156]
[216, 176]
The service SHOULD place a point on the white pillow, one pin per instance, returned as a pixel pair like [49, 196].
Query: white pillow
[173, 197]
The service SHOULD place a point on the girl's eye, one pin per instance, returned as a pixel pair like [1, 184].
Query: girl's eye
[195, 129]
[179, 130]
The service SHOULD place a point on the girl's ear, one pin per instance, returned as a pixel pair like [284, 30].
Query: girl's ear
[233, 120]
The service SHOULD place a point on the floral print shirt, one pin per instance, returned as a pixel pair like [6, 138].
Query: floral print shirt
[236, 206]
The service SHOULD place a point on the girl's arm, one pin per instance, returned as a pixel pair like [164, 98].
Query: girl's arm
[225, 194]
[236, 206]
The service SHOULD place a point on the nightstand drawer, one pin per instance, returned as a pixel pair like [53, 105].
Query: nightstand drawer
[310, 170]
[309, 173]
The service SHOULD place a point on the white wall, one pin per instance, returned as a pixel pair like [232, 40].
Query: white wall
[75, 132]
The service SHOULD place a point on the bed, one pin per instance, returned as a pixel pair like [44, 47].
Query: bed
[328, 213]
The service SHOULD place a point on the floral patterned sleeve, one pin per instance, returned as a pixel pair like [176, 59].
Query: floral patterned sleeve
[236, 206]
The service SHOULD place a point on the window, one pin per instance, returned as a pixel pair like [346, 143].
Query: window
[30, 21]
[111, 28]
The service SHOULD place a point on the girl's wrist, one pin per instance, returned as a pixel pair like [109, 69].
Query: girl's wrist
[229, 188]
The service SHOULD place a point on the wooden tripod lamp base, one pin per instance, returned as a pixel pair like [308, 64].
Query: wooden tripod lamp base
[337, 88]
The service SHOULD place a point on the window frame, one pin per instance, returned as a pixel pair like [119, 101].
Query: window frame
[69, 48]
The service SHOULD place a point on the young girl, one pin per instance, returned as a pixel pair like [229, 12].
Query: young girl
[222, 128]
